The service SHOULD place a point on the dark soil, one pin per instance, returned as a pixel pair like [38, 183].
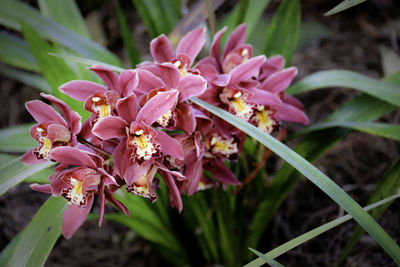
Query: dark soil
[356, 164]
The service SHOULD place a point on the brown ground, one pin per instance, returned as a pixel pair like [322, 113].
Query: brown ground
[356, 163]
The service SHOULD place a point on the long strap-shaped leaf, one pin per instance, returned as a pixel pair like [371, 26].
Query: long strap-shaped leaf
[385, 91]
[315, 176]
[33, 245]
[343, 6]
[276, 252]
[381, 129]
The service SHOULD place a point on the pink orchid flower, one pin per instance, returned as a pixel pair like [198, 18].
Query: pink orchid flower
[79, 185]
[52, 129]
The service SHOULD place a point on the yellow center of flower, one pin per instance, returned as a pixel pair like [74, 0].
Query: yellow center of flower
[264, 119]
[240, 108]
[219, 145]
[140, 139]
[75, 195]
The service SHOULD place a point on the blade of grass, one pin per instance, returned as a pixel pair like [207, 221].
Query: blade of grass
[13, 172]
[86, 61]
[314, 175]
[129, 43]
[15, 52]
[382, 90]
[34, 80]
[266, 259]
[343, 6]
[12, 12]
[315, 232]
[387, 130]
[386, 187]
[16, 139]
[65, 12]
[283, 31]
[35, 243]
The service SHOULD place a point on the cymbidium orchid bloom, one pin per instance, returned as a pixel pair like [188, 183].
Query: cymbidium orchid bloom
[79, 185]
[188, 48]
[52, 129]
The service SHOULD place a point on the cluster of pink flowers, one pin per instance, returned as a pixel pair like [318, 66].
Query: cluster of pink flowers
[144, 123]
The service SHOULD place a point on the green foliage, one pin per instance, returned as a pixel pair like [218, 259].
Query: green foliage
[343, 6]
[34, 80]
[283, 31]
[34, 244]
[16, 139]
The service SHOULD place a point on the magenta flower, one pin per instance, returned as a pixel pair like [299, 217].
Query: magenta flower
[79, 185]
[52, 129]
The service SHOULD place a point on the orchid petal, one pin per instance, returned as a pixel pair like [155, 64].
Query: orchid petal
[287, 112]
[273, 64]
[128, 81]
[102, 203]
[222, 80]
[186, 120]
[191, 85]
[291, 100]
[174, 194]
[134, 171]
[262, 97]
[74, 217]
[116, 202]
[161, 49]
[44, 188]
[279, 81]
[72, 156]
[169, 146]
[73, 118]
[191, 44]
[222, 173]
[193, 172]
[110, 127]
[81, 90]
[157, 106]
[237, 37]
[214, 51]
[58, 133]
[121, 158]
[170, 74]
[247, 70]
[108, 76]
[127, 107]
[148, 81]
[42, 112]
[30, 159]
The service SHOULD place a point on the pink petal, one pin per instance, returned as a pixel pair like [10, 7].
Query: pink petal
[193, 172]
[110, 127]
[222, 80]
[247, 70]
[117, 203]
[127, 107]
[279, 81]
[191, 85]
[264, 97]
[287, 112]
[237, 37]
[218, 169]
[134, 171]
[169, 146]
[174, 194]
[191, 44]
[108, 76]
[214, 51]
[44, 188]
[121, 158]
[74, 217]
[161, 49]
[42, 112]
[230, 62]
[208, 71]
[186, 120]
[157, 106]
[30, 159]
[128, 81]
[291, 100]
[58, 133]
[272, 65]
[73, 118]
[81, 90]
[102, 204]
[148, 81]
[170, 74]
[72, 156]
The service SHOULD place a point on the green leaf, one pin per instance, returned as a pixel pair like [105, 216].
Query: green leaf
[381, 129]
[386, 187]
[16, 139]
[343, 6]
[276, 252]
[65, 12]
[283, 31]
[34, 80]
[266, 259]
[149, 18]
[385, 91]
[314, 175]
[86, 61]
[13, 172]
[15, 52]
[53, 69]
[12, 12]
[129, 43]
[363, 108]
[34, 244]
